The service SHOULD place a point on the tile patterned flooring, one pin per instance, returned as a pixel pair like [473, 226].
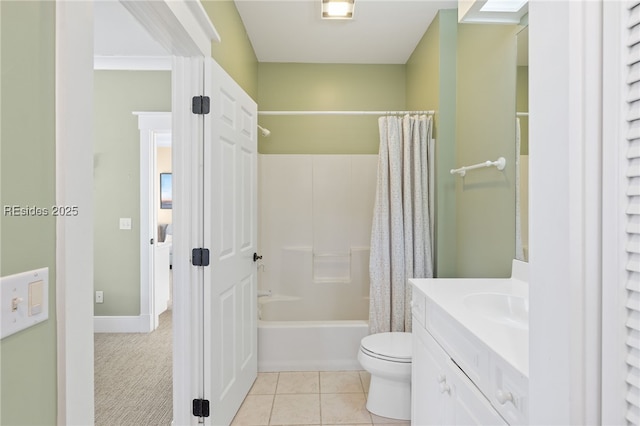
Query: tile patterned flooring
[309, 398]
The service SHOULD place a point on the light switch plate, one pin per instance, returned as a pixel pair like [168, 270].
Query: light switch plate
[125, 223]
[24, 300]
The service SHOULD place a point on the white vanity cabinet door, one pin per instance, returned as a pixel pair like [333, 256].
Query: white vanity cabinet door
[430, 400]
[470, 406]
[441, 393]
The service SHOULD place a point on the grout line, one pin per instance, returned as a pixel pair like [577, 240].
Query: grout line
[273, 400]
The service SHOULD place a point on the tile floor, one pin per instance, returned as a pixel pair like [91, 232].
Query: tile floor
[309, 398]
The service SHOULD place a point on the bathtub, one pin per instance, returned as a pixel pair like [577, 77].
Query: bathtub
[310, 345]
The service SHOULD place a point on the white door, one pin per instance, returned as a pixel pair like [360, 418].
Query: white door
[230, 232]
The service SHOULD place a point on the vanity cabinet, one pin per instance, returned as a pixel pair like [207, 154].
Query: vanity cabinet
[442, 394]
[457, 379]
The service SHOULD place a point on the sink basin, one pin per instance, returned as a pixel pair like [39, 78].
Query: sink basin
[499, 307]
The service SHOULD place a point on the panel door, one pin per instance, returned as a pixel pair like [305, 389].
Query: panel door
[230, 224]
[431, 403]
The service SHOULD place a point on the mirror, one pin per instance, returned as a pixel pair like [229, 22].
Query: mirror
[522, 146]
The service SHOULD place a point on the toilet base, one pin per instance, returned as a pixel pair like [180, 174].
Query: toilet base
[389, 398]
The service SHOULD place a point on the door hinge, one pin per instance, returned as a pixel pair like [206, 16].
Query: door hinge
[201, 407]
[200, 257]
[200, 105]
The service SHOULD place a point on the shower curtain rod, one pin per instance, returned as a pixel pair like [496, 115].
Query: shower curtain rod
[343, 112]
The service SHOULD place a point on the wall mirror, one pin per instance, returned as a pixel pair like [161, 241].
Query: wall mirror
[522, 146]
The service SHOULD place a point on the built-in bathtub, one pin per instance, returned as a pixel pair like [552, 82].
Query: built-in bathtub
[315, 214]
[311, 345]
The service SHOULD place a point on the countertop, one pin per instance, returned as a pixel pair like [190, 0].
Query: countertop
[510, 342]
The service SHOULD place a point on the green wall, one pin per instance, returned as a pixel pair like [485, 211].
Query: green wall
[117, 181]
[327, 87]
[431, 85]
[522, 105]
[234, 52]
[485, 128]
[27, 178]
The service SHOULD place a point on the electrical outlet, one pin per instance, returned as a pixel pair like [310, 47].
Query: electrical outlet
[99, 297]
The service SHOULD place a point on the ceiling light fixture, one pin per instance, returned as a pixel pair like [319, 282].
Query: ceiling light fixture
[492, 11]
[503, 5]
[337, 9]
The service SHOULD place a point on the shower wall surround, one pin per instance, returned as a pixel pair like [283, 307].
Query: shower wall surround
[315, 215]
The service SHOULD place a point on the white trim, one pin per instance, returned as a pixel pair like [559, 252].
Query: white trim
[150, 124]
[587, 377]
[205, 24]
[121, 324]
[187, 79]
[158, 120]
[565, 190]
[74, 236]
[183, 29]
[132, 63]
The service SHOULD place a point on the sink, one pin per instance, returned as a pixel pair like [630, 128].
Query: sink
[503, 308]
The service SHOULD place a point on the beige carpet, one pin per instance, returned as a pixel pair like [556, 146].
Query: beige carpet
[133, 377]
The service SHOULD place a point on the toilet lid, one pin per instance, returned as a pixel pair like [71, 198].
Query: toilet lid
[394, 345]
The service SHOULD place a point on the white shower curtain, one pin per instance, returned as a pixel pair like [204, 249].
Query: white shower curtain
[401, 235]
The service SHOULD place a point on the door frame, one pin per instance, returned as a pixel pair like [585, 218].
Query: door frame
[187, 32]
[150, 124]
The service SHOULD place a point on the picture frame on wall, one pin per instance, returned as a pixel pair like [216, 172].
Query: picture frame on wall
[166, 192]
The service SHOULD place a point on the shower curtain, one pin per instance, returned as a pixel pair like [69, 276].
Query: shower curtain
[401, 235]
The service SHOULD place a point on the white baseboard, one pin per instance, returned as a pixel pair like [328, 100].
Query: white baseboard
[122, 324]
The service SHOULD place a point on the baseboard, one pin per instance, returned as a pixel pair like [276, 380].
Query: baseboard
[122, 324]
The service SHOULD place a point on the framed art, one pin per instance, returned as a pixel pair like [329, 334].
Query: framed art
[166, 199]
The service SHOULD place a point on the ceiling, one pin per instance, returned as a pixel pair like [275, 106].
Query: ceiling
[381, 32]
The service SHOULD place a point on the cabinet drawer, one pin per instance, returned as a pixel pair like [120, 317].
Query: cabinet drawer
[467, 351]
[509, 392]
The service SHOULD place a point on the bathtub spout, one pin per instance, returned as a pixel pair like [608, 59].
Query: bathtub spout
[264, 293]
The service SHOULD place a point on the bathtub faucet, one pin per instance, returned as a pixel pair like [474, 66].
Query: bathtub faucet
[264, 293]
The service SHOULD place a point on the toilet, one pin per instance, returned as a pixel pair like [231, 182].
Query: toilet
[387, 357]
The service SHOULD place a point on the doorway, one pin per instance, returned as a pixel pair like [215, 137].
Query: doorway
[133, 344]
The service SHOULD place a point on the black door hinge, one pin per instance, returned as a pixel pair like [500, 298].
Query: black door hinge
[201, 407]
[200, 257]
[200, 105]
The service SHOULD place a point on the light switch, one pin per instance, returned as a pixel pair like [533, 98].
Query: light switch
[24, 300]
[35, 297]
[125, 223]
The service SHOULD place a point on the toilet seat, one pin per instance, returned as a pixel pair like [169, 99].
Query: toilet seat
[392, 347]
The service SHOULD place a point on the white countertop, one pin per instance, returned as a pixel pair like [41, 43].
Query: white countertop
[509, 342]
